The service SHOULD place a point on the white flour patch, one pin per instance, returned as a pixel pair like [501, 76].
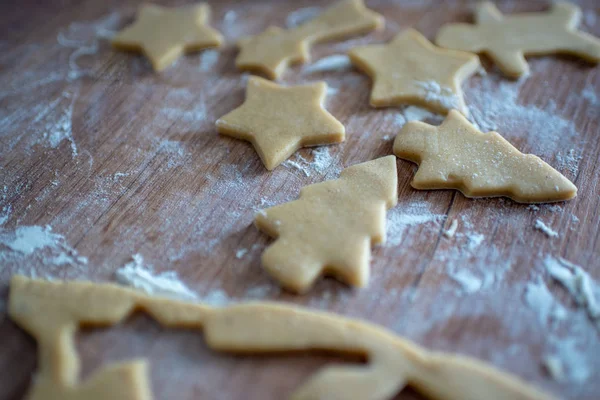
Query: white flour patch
[569, 161]
[322, 163]
[436, 93]
[583, 289]
[543, 303]
[590, 95]
[451, 231]
[568, 361]
[5, 214]
[541, 226]
[216, 298]
[414, 113]
[208, 60]
[241, 253]
[38, 241]
[302, 15]
[83, 37]
[403, 216]
[139, 276]
[229, 17]
[495, 106]
[469, 282]
[335, 62]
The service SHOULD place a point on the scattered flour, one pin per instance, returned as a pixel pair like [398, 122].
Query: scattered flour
[436, 93]
[298, 17]
[403, 216]
[495, 106]
[241, 253]
[334, 62]
[590, 95]
[30, 240]
[584, 290]
[449, 233]
[139, 276]
[208, 60]
[322, 163]
[541, 226]
[216, 298]
[567, 362]
[543, 303]
[5, 214]
[414, 113]
[469, 282]
[569, 161]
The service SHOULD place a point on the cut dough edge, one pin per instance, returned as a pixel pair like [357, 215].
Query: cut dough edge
[53, 311]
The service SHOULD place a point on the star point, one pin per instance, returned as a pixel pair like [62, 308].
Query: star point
[411, 70]
[278, 120]
[164, 34]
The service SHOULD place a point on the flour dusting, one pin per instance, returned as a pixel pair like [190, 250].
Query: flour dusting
[403, 216]
[495, 106]
[436, 93]
[139, 276]
[302, 15]
[543, 303]
[322, 163]
[583, 289]
[41, 241]
[541, 226]
[335, 62]
[208, 60]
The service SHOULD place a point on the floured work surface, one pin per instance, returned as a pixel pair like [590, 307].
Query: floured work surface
[103, 160]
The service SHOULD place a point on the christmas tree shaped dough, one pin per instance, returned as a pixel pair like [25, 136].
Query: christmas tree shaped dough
[331, 227]
[278, 120]
[455, 155]
[52, 313]
[411, 70]
[272, 51]
[164, 34]
[508, 39]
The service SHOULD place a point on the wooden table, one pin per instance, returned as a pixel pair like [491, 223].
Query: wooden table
[119, 160]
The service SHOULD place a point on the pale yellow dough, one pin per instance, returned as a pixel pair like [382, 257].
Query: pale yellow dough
[278, 120]
[508, 39]
[164, 34]
[411, 70]
[456, 155]
[272, 51]
[331, 227]
[52, 313]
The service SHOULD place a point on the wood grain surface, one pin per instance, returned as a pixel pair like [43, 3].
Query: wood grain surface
[119, 160]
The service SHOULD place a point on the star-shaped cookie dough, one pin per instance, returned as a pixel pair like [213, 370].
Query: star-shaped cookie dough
[278, 120]
[411, 70]
[273, 50]
[507, 39]
[164, 34]
[455, 155]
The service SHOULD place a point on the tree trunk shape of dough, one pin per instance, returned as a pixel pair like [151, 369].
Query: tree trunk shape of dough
[455, 155]
[331, 227]
[507, 39]
[164, 34]
[272, 51]
[52, 313]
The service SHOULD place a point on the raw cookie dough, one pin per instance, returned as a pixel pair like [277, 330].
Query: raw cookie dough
[272, 51]
[331, 227]
[52, 313]
[278, 120]
[508, 39]
[411, 70]
[456, 155]
[163, 34]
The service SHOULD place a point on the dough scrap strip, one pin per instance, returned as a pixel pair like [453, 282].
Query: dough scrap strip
[52, 312]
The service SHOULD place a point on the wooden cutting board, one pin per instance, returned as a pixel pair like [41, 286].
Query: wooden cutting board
[117, 160]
